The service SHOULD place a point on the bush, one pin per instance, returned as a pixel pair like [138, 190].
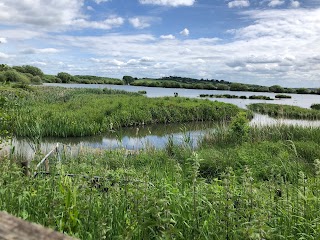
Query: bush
[65, 77]
[34, 71]
[14, 76]
[315, 106]
[282, 96]
[240, 126]
[36, 80]
[2, 77]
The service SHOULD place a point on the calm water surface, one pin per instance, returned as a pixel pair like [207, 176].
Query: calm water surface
[297, 99]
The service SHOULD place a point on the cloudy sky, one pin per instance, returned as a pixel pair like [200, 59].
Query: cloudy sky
[252, 41]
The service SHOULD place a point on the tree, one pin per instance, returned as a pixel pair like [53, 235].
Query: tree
[128, 80]
[303, 91]
[238, 87]
[34, 71]
[14, 76]
[276, 89]
[65, 77]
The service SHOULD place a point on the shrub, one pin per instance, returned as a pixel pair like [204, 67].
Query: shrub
[315, 106]
[14, 76]
[36, 80]
[282, 96]
[65, 77]
[240, 126]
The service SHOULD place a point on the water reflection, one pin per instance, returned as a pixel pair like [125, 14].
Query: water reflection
[156, 136]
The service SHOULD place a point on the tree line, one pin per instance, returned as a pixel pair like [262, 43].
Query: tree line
[27, 74]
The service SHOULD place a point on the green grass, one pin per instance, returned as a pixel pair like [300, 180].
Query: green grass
[244, 190]
[44, 111]
[285, 111]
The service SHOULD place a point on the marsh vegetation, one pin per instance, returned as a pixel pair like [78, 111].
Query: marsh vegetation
[241, 182]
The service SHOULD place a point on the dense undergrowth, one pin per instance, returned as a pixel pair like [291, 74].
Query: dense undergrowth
[247, 188]
[48, 111]
[285, 111]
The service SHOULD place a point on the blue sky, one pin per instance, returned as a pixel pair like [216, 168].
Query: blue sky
[252, 41]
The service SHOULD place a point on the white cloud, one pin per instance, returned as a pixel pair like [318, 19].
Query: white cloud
[38, 63]
[39, 13]
[239, 3]
[3, 40]
[51, 15]
[109, 23]
[100, 1]
[4, 56]
[139, 23]
[185, 32]
[120, 63]
[170, 37]
[117, 62]
[172, 3]
[275, 3]
[89, 8]
[41, 50]
[295, 4]
[21, 34]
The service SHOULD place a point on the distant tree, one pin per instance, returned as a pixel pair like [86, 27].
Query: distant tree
[317, 91]
[65, 77]
[238, 87]
[276, 89]
[221, 86]
[303, 91]
[289, 90]
[128, 80]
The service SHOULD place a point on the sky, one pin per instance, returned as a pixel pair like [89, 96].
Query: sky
[263, 42]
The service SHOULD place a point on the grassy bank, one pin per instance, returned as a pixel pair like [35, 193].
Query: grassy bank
[44, 111]
[259, 189]
[285, 111]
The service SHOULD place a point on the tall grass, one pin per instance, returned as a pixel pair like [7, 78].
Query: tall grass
[82, 112]
[285, 111]
[256, 190]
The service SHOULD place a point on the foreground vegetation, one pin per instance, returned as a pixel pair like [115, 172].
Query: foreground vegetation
[47, 111]
[242, 183]
[285, 111]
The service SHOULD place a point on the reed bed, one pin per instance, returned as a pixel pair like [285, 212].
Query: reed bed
[82, 112]
[285, 111]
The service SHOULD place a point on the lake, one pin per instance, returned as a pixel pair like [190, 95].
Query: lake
[305, 100]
